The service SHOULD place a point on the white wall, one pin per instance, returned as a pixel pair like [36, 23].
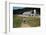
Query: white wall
[2, 17]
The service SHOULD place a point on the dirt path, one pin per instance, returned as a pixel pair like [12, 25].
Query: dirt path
[25, 25]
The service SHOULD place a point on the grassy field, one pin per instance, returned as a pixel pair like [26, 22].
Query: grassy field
[17, 21]
[33, 21]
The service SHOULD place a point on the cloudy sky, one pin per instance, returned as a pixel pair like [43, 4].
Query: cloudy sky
[15, 8]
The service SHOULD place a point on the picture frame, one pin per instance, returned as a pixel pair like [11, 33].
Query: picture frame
[9, 17]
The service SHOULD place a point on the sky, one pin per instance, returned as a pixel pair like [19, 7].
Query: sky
[15, 8]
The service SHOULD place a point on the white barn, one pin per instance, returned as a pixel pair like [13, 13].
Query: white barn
[29, 13]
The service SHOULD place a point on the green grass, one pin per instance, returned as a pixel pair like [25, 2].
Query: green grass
[33, 21]
[17, 21]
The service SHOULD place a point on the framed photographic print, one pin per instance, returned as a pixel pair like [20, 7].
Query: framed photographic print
[24, 17]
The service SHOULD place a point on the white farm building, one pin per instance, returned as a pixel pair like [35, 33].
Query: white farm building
[29, 13]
